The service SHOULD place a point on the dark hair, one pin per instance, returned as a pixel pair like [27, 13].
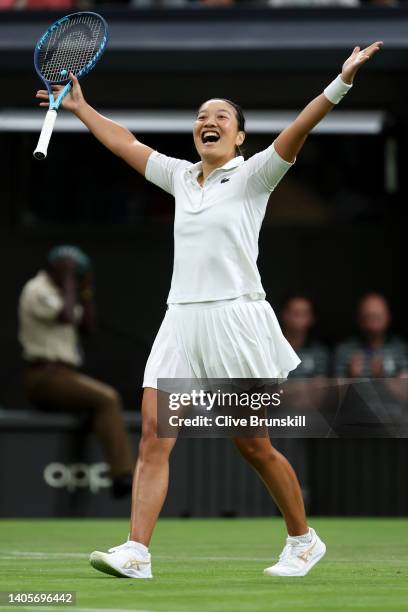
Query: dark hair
[239, 114]
[300, 295]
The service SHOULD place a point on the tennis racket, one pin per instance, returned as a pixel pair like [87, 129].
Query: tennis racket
[74, 44]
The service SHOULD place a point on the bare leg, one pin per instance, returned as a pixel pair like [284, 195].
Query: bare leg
[280, 479]
[151, 477]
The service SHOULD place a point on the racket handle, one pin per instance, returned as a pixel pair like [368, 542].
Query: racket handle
[43, 141]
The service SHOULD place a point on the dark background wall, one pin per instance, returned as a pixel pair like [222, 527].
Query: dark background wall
[132, 280]
[264, 59]
[272, 60]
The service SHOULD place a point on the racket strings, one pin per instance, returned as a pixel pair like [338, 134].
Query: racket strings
[70, 47]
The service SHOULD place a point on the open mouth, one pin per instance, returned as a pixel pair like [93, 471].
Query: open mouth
[209, 136]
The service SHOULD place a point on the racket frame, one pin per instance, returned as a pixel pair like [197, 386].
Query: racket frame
[55, 103]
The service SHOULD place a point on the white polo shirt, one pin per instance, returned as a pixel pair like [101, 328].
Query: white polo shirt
[216, 226]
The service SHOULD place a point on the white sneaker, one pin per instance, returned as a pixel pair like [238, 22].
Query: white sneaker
[124, 561]
[296, 558]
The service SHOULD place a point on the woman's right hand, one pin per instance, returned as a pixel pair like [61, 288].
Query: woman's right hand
[72, 101]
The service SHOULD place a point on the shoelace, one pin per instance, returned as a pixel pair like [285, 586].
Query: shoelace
[288, 550]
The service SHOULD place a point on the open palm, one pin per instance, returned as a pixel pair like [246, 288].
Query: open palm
[357, 59]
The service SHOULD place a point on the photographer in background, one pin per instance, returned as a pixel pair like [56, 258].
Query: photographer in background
[54, 307]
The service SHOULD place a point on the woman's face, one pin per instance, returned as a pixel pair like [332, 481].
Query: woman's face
[216, 131]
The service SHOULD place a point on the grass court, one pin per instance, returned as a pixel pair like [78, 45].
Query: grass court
[209, 565]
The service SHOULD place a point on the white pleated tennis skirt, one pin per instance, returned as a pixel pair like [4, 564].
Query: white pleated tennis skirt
[238, 338]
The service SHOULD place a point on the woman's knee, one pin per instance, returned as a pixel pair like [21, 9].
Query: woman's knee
[151, 447]
[256, 450]
[149, 418]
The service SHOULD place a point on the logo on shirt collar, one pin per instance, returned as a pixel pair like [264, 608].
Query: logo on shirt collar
[225, 180]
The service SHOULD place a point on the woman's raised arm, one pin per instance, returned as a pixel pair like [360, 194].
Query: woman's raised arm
[291, 139]
[114, 136]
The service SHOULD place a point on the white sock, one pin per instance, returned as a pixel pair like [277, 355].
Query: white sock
[306, 538]
[140, 547]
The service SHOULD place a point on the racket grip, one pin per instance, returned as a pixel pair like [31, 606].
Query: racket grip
[43, 141]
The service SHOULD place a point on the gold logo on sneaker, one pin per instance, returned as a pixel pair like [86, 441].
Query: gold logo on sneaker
[304, 556]
[134, 564]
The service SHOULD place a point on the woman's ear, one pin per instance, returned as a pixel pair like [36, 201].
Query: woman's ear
[240, 138]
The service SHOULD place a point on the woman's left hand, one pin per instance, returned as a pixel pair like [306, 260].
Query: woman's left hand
[357, 59]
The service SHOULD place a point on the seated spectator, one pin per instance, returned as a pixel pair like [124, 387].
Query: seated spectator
[298, 320]
[375, 352]
[54, 306]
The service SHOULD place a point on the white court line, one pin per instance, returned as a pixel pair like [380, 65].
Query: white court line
[38, 608]
[14, 555]
[41, 555]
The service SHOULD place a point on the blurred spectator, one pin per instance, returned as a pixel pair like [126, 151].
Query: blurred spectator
[384, 2]
[298, 320]
[38, 4]
[217, 2]
[374, 352]
[311, 3]
[85, 4]
[54, 306]
[50, 4]
[176, 3]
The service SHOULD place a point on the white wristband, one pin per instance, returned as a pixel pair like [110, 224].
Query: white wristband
[337, 90]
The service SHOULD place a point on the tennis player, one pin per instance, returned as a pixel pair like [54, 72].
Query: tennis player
[218, 323]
